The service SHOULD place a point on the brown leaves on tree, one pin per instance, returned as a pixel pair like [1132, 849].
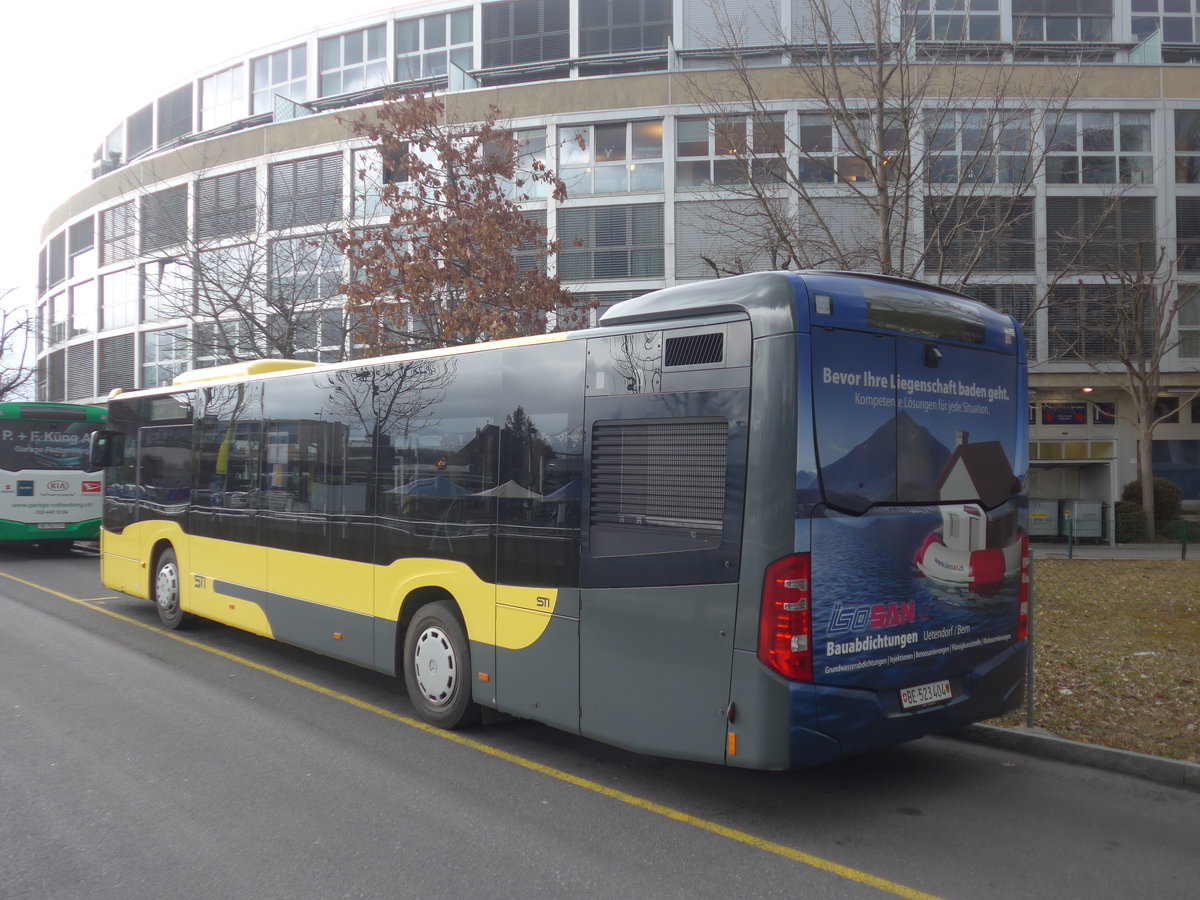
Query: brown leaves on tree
[456, 260]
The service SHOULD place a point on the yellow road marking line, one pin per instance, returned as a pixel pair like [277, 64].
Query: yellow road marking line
[659, 809]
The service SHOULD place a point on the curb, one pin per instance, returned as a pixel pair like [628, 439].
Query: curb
[1037, 742]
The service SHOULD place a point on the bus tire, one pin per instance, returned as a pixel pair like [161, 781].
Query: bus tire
[437, 667]
[167, 589]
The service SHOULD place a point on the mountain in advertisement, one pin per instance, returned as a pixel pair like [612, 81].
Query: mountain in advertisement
[868, 473]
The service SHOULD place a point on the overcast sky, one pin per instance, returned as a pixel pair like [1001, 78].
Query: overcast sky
[71, 71]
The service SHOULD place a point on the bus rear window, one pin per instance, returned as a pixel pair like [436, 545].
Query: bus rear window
[924, 315]
[44, 445]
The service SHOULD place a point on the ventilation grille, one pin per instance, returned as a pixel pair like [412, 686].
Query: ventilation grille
[660, 475]
[695, 349]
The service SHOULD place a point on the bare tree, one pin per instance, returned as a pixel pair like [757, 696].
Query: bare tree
[252, 279]
[911, 156]
[1127, 325]
[16, 333]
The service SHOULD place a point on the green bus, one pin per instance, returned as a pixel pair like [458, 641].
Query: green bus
[49, 495]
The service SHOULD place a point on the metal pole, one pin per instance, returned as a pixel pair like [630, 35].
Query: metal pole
[1029, 654]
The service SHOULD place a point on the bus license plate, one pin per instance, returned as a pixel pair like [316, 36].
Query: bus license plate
[51, 526]
[923, 694]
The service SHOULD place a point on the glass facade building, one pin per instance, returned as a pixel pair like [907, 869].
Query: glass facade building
[624, 99]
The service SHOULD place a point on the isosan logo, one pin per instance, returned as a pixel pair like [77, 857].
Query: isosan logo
[57, 487]
[91, 487]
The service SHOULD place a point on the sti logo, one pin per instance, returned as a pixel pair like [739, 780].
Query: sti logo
[882, 615]
[91, 487]
[24, 488]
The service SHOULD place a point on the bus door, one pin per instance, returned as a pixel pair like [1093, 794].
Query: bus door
[538, 501]
[662, 517]
[164, 460]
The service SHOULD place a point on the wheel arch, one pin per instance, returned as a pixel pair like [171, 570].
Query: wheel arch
[414, 601]
[156, 552]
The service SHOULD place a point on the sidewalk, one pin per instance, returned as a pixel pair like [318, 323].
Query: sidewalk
[1039, 742]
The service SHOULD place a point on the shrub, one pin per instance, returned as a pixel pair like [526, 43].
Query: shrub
[1130, 521]
[1168, 500]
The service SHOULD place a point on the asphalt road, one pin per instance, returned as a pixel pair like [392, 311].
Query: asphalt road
[134, 764]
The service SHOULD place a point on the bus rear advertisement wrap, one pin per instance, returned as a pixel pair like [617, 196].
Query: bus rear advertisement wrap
[916, 520]
[766, 521]
[48, 492]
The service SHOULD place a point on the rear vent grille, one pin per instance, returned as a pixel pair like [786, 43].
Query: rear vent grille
[695, 349]
[660, 475]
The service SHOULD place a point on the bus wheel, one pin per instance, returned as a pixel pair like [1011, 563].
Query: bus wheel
[166, 590]
[437, 667]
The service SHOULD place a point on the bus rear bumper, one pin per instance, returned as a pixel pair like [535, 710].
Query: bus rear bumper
[858, 720]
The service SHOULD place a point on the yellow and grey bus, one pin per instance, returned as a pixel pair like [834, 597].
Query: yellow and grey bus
[766, 521]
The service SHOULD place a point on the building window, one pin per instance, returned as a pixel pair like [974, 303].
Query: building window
[83, 308]
[116, 364]
[957, 20]
[531, 156]
[1062, 21]
[222, 98]
[983, 147]
[1090, 322]
[164, 355]
[56, 376]
[316, 335]
[1187, 146]
[60, 317]
[175, 115]
[525, 31]
[139, 131]
[1099, 234]
[284, 73]
[81, 247]
[426, 46]
[118, 299]
[1178, 461]
[81, 371]
[305, 269]
[118, 233]
[1176, 19]
[986, 234]
[1187, 232]
[375, 169]
[623, 26]
[830, 151]
[58, 259]
[225, 205]
[1189, 328]
[728, 150]
[613, 158]
[166, 290]
[1099, 148]
[1016, 300]
[354, 62]
[164, 218]
[616, 242]
[306, 191]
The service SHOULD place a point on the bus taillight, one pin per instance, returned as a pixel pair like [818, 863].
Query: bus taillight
[1023, 594]
[785, 623]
